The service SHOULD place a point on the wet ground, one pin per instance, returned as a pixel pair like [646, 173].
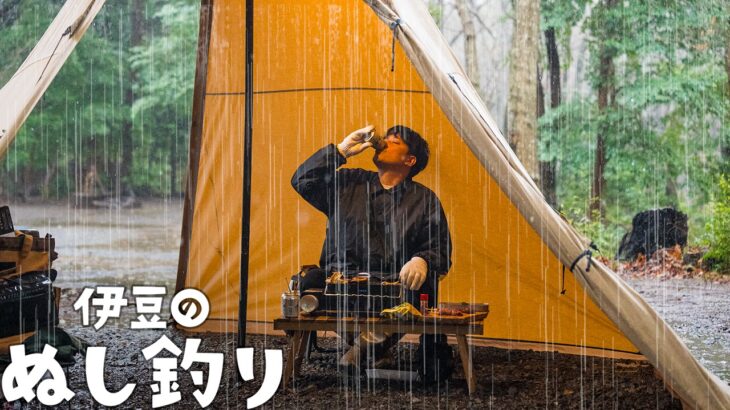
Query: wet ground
[140, 246]
[109, 246]
[506, 380]
[699, 312]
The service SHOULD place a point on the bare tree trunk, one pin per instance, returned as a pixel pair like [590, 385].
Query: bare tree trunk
[606, 91]
[725, 154]
[27, 178]
[50, 174]
[548, 168]
[173, 170]
[553, 57]
[124, 177]
[8, 12]
[540, 105]
[727, 56]
[599, 167]
[540, 94]
[522, 104]
[470, 43]
[670, 188]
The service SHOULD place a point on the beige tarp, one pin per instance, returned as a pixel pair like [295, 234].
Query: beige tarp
[25, 88]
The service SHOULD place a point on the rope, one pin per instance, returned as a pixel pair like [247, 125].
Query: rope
[70, 31]
[394, 25]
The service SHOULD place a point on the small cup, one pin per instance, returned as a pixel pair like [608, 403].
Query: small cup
[377, 141]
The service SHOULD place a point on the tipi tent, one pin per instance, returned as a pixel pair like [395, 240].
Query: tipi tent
[291, 77]
[294, 76]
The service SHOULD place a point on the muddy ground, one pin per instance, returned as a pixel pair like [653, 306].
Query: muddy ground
[506, 379]
[126, 247]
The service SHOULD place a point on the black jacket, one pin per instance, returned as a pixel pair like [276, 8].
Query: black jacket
[369, 228]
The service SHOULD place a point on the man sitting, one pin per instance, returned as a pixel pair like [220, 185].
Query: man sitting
[383, 223]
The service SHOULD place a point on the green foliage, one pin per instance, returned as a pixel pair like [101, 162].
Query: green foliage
[436, 11]
[663, 128]
[562, 16]
[81, 119]
[605, 236]
[67, 120]
[161, 111]
[22, 26]
[718, 228]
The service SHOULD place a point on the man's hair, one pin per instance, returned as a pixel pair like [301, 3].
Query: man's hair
[417, 146]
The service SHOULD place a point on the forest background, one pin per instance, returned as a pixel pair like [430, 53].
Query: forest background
[614, 107]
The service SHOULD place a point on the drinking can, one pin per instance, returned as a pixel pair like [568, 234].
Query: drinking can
[290, 304]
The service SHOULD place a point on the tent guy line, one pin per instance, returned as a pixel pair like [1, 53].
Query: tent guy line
[298, 90]
[485, 341]
[21, 93]
[32, 63]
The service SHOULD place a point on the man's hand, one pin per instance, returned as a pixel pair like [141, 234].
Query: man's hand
[413, 273]
[354, 143]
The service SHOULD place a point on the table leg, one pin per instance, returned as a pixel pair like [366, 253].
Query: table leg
[466, 362]
[311, 344]
[301, 350]
[294, 341]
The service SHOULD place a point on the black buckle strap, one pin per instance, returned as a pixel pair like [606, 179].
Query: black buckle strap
[394, 25]
[589, 253]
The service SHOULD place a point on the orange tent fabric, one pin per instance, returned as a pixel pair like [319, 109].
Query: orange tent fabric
[322, 69]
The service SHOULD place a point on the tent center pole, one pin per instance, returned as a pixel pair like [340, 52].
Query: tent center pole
[246, 197]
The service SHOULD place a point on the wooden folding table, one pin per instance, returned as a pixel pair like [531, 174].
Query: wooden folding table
[300, 328]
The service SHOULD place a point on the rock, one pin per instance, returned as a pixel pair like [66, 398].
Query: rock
[652, 230]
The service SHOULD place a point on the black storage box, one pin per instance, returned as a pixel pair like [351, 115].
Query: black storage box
[27, 303]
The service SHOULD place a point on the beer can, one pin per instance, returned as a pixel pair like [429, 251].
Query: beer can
[290, 304]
